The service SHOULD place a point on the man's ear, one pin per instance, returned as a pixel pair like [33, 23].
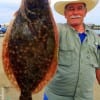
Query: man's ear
[85, 11]
[65, 13]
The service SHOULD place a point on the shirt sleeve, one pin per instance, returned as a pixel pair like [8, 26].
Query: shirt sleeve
[98, 51]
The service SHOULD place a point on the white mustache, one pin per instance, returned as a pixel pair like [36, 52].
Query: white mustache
[78, 16]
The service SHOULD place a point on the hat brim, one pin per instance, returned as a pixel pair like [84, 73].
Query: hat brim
[59, 6]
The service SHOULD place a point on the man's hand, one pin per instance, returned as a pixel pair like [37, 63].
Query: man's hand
[98, 75]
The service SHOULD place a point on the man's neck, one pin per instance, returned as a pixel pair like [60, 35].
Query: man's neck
[79, 28]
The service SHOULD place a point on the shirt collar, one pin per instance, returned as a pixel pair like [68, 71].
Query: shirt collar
[87, 29]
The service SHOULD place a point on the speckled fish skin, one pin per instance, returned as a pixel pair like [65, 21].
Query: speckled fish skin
[30, 47]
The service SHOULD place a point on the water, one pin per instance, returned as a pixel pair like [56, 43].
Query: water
[97, 31]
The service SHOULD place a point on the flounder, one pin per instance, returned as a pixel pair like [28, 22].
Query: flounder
[30, 47]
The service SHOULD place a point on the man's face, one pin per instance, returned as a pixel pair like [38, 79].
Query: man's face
[75, 13]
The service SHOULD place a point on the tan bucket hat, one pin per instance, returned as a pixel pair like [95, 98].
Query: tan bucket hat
[59, 6]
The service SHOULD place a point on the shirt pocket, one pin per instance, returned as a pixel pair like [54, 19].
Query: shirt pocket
[65, 57]
[93, 55]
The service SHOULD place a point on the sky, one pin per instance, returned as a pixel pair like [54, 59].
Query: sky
[9, 7]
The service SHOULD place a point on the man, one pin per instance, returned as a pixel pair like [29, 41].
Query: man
[78, 56]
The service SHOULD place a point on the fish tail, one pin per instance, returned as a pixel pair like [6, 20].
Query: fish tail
[25, 95]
